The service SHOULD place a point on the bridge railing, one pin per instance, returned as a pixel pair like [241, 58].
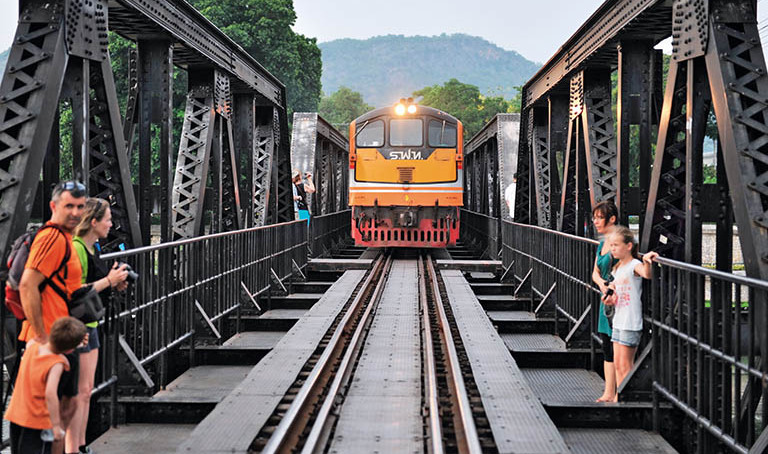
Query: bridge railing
[481, 232]
[705, 333]
[556, 268]
[327, 232]
[184, 287]
[710, 337]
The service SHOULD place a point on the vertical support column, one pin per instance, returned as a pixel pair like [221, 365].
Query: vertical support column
[263, 165]
[673, 224]
[567, 220]
[523, 185]
[599, 140]
[77, 88]
[191, 175]
[665, 219]
[244, 137]
[131, 111]
[110, 176]
[51, 166]
[154, 106]
[698, 102]
[229, 187]
[541, 165]
[636, 60]
[557, 138]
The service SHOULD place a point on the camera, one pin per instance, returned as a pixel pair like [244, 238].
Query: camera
[133, 276]
[609, 292]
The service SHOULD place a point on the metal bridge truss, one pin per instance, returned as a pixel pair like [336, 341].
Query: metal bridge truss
[319, 148]
[489, 165]
[572, 155]
[235, 121]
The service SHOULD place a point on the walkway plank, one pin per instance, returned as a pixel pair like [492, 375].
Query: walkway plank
[233, 425]
[517, 418]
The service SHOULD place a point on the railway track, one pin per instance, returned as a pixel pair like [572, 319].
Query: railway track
[394, 346]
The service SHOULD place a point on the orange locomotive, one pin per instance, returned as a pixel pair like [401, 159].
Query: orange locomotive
[406, 177]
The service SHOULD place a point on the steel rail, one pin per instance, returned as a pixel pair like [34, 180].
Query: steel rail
[466, 431]
[287, 430]
[430, 381]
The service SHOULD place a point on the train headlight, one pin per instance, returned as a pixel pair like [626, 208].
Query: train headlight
[400, 109]
[411, 109]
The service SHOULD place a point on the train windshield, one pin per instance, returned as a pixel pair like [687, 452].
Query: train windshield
[442, 134]
[406, 133]
[370, 134]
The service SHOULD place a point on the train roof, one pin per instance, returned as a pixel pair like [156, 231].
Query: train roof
[422, 110]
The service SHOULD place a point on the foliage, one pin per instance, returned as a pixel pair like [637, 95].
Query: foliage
[263, 29]
[341, 107]
[386, 68]
[464, 102]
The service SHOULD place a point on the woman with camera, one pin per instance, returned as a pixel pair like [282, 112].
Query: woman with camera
[94, 225]
[604, 216]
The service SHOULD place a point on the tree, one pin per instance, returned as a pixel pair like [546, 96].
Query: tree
[464, 102]
[263, 29]
[341, 107]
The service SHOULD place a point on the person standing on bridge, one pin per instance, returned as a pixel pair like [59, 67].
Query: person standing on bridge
[51, 274]
[604, 217]
[627, 286]
[300, 191]
[95, 225]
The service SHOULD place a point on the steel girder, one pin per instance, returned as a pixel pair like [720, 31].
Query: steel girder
[207, 141]
[557, 141]
[738, 77]
[638, 102]
[281, 174]
[541, 166]
[590, 161]
[191, 175]
[154, 109]
[109, 176]
[596, 39]
[319, 147]
[673, 220]
[523, 210]
[198, 42]
[46, 49]
[490, 165]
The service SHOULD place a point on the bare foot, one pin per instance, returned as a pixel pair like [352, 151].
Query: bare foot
[615, 398]
[606, 398]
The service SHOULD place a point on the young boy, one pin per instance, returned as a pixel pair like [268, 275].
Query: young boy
[34, 407]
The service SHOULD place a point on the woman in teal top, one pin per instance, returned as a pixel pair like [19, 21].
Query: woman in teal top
[94, 225]
[604, 217]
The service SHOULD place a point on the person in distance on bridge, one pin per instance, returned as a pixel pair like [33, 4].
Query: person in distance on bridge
[300, 191]
[54, 268]
[627, 286]
[604, 217]
[94, 225]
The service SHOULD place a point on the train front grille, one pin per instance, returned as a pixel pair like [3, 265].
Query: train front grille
[405, 174]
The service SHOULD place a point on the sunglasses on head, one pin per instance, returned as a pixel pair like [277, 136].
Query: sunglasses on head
[76, 188]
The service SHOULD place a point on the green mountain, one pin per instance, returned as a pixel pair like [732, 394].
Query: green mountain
[386, 68]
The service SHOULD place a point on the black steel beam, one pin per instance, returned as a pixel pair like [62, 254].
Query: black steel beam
[613, 21]
[198, 41]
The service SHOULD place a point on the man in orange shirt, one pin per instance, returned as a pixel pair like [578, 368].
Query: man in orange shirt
[52, 273]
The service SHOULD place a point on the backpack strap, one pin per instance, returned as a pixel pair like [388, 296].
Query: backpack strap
[62, 266]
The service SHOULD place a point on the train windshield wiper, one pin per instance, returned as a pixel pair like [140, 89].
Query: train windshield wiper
[361, 129]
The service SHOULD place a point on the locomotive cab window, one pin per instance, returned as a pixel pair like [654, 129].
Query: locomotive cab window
[370, 134]
[406, 133]
[442, 134]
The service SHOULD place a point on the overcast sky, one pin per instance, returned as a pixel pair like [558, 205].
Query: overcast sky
[535, 29]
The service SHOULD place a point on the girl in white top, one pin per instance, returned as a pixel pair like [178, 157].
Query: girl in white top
[627, 287]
